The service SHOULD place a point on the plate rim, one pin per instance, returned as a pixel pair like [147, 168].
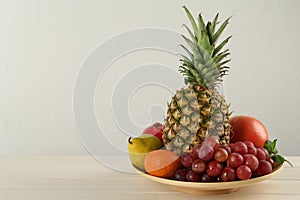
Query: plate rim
[210, 185]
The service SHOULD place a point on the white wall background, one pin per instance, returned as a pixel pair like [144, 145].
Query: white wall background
[44, 42]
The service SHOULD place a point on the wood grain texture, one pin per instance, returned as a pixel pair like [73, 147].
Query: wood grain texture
[82, 177]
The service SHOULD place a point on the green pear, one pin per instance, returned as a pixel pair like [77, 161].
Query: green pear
[138, 148]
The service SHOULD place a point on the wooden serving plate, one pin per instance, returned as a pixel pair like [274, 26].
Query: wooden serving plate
[211, 187]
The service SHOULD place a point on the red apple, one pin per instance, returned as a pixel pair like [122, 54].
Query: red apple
[245, 128]
[156, 129]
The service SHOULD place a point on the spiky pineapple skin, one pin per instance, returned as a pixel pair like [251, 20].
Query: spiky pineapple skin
[194, 113]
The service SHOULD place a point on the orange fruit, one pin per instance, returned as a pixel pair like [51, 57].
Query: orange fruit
[162, 163]
[245, 128]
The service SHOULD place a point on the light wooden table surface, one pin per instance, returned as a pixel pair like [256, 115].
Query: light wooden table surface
[82, 177]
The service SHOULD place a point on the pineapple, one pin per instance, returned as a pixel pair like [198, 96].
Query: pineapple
[199, 109]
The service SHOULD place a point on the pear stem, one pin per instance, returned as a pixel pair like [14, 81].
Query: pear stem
[129, 140]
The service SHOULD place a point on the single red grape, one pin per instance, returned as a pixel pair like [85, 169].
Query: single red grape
[264, 167]
[206, 178]
[206, 153]
[212, 141]
[180, 175]
[213, 168]
[251, 161]
[243, 172]
[252, 150]
[187, 159]
[249, 143]
[240, 147]
[192, 176]
[220, 155]
[261, 155]
[271, 161]
[199, 166]
[235, 159]
[228, 174]
[266, 151]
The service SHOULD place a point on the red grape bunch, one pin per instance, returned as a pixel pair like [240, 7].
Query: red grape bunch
[211, 162]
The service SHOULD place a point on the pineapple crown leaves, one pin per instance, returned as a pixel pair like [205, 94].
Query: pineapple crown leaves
[205, 63]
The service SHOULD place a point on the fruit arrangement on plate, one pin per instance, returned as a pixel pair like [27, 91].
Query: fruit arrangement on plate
[199, 140]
